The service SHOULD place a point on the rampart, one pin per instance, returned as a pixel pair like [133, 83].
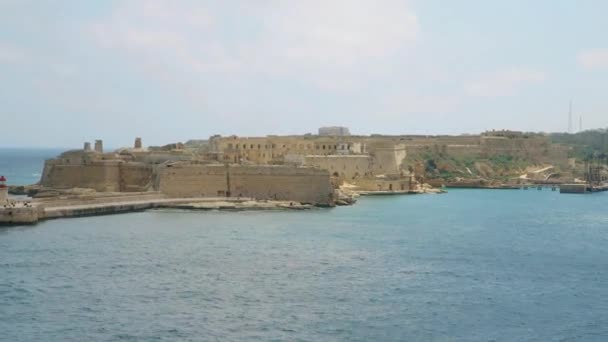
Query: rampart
[301, 184]
[347, 167]
[112, 175]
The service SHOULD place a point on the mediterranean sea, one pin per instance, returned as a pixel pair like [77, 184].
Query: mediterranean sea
[23, 166]
[469, 265]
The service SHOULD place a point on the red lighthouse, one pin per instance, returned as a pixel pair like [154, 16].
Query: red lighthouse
[3, 189]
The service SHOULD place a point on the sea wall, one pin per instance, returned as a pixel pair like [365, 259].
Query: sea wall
[384, 184]
[301, 184]
[19, 215]
[99, 175]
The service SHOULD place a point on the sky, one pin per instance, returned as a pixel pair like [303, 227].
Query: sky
[172, 70]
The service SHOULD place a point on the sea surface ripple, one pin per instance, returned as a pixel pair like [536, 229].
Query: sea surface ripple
[470, 265]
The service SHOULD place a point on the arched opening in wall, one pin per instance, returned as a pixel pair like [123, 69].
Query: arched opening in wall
[259, 146]
[390, 187]
[251, 146]
[402, 186]
[323, 146]
[336, 174]
[356, 175]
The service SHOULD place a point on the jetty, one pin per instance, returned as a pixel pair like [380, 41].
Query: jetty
[582, 188]
[30, 212]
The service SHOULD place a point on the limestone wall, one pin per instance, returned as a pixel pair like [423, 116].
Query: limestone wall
[347, 167]
[307, 185]
[384, 184]
[192, 180]
[99, 175]
[388, 157]
[273, 149]
[135, 177]
[283, 183]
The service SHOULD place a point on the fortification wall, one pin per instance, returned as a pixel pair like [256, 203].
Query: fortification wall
[307, 185]
[273, 149]
[532, 148]
[463, 151]
[98, 176]
[192, 180]
[388, 157]
[102, 176]
[346, 167]
[135, 177]
[380, 184]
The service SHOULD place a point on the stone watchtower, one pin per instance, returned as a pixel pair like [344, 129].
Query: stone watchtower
[99, 146]
[87, 146]
[3, 190]
[137, 143]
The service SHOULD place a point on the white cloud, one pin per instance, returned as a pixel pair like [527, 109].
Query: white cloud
[503, 82]
[594, 59]
[327, 43]
[340, 32]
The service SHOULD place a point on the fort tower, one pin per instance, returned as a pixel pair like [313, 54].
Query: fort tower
[99, 146]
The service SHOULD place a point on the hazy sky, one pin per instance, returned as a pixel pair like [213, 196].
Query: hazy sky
[172, 70]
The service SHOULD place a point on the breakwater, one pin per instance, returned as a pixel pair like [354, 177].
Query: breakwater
[19, 213]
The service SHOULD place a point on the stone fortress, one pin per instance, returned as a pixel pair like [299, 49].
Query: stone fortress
[176, 171]
[297, 171]
[304, 168]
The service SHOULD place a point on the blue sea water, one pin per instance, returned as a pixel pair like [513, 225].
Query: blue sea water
[470, 265]
[23, 166]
